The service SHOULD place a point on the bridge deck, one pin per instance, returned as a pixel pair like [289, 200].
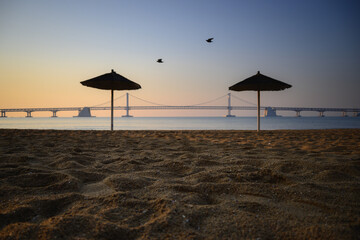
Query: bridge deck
[296, 109]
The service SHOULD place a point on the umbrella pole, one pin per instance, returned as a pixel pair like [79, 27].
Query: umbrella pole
[258, 111]
[112, 109]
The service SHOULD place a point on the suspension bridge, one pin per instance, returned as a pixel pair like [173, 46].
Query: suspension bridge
[268, 111]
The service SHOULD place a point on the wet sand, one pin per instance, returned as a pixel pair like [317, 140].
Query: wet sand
[180, 184]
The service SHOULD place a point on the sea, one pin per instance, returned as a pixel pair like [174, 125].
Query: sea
[179, 123]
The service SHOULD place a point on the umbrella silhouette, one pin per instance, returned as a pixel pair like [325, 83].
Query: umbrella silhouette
[259, 82]
[111, 81]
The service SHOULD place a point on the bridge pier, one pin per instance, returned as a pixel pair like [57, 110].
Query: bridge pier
[298, 113]
[229, 106]
[3, 114]
[344, 114]
[54, 113]
[28, 114]
[321, 114]
[270, 112]
[85, 112]
[127, 108]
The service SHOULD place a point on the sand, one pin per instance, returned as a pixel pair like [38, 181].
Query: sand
[180, 184]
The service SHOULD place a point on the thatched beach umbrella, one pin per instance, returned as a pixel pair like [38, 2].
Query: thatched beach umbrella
[259, 83]
[111, 81]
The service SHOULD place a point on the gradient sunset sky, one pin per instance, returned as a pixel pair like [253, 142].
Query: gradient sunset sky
[47, 47]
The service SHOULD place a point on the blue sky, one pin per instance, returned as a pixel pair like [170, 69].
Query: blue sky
[48, 47]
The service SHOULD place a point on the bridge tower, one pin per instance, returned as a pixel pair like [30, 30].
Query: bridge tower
[127, 108]
[229, 106]
[3, 114]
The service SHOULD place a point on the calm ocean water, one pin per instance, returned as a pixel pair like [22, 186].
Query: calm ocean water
[180, 123]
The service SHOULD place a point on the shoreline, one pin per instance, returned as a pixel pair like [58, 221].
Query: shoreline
[183, 184]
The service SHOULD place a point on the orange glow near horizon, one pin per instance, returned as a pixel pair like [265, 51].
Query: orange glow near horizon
[48, 48]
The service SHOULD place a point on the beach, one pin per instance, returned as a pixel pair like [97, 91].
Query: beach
[281, 184]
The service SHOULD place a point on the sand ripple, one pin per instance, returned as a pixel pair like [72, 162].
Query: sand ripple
[179, 184]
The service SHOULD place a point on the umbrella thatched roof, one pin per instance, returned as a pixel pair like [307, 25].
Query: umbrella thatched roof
[259, 82]
[111, 81]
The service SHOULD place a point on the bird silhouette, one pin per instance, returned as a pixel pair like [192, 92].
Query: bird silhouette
[160, 60]
[209, 40]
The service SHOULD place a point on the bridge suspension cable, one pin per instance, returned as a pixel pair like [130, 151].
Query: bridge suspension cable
[98, 105]
[203, 103]
[154, 103]
[254, 104]
[158, 104]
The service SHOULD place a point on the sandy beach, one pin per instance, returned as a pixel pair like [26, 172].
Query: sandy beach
[298, 184]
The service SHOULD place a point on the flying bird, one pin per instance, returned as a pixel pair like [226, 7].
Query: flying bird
[209, 40]
[160, 60]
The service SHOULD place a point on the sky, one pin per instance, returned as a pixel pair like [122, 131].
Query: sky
[48, 47]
